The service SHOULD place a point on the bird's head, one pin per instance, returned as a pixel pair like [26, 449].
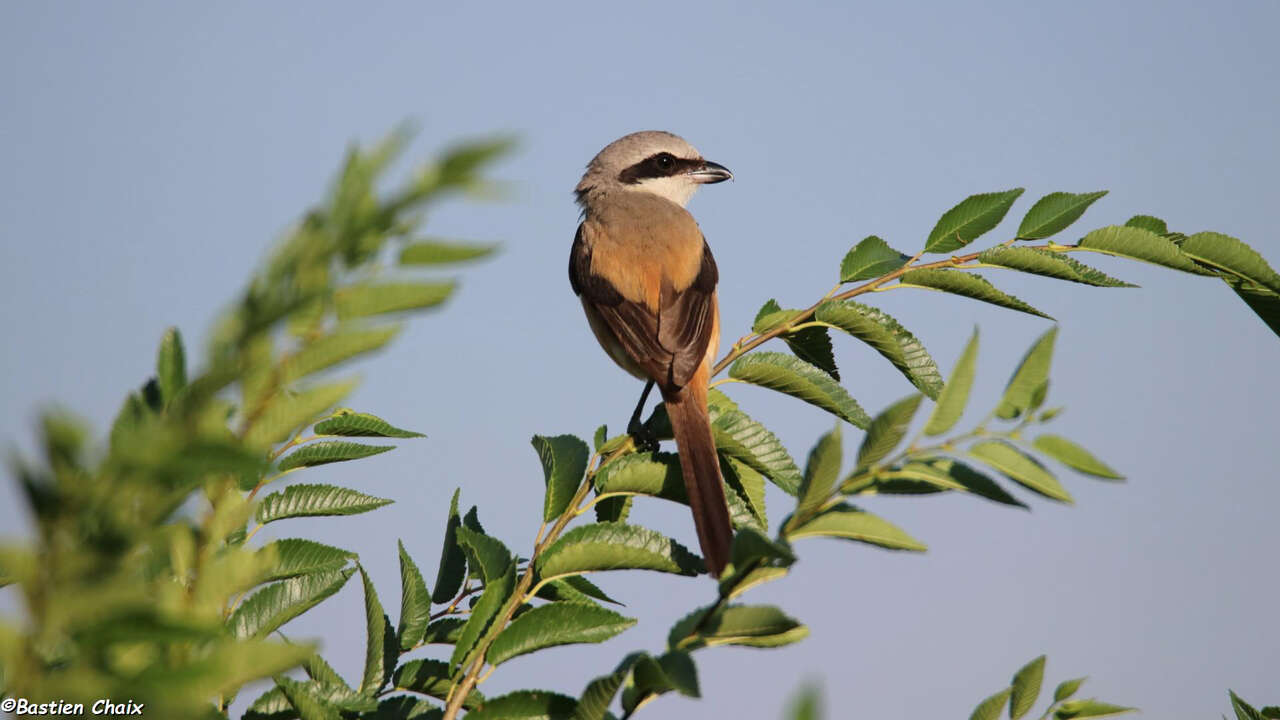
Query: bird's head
[651, 161]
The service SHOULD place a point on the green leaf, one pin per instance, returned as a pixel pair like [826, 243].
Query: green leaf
[820, 475]
[884, 334]
[349, 423]
[291, 411]
[1147, 222]
[1263, 302]
[955, 394]
[770, 316]
[527, 705]
[441, 252]
[747, 484]
[968, 220]
[958, 282]
[990, 708]
[329, 350]
[614, 546]
[1067, 688]
[598, 440]
[329, 451]
[485, 553]
[887, 430]
[1243, 710]
[1033, 373]
[564, 462]
[1026, 688]
[403, 707]
[270, 705]
[846, 521]
[1054, 212]
[453, 563]
[323, 673]
[294, 557]
[316, 500]
[1072, 455]
[171, 365]
[380, 650]
[742, 438]
[415, 602]
[795, 377]
[653, 474]
[599, 693]
[495, 594]
[651, 677]
[1049, 264]
[304, 699]
[813, 345]
[1021, 468]
[430, 677]
[746, 625]
[278, 603]
[444, 631]
[1089, 708]
[935, 475]
[1230, 255]
[806, 705]
[356, 301]
[869, 259]
[1140, 244]
[556, 624]
[751, 547]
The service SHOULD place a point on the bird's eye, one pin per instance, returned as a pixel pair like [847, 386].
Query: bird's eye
[665, 161]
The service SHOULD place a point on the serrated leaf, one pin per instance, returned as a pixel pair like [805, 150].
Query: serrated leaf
[935, 475]
[1032, 374]
[599, 693]
[747, 484]
[1140, 244]
[849, 522]
[286, 413]
[1147, 222]
[356, 301]
[453, 563]
[653, 474]
[1021, 468]
[1054, 212]
[1026, 688]
[349, 423]
[305, 701]
[270, 705]
[745, 625]
[770, 316]
[415, 602]
[799, 379]
[955, 394]
[887, 336]
[322, 672]
[969, 219]
[482, 614]
[295, 556]
[1230, 255]
[968, 285]
[740, 437]
[990, 708]
[820, 475]
[1067, 688]
[485, 553]
[556, 624]
[278, 603]
[751, 547]
[651, 677]
[430, 677]
[1089, 708]
[329, 350]
[444, 631]
[614, 546]
[403, 707]
[564, 461]
[870, 258]
[813, 345]
[887, 430]
[171, 365]
[598, 440]
[527, 705]
[440, 252]
[1049, 264]
[316, 500]
[1072, 455]
[329, 451]
[380, 650]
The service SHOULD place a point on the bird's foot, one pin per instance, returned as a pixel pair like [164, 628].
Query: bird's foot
[643, 437]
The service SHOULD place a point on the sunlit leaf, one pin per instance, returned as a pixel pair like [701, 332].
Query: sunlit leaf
[1049, 264]
[1230, 255]
[887, 430]
[339, 346]
[968, 220]
[1147, 222]
[740, 437]
[485, 553]
[556, 624]
[869, 259]
[415, 602]
[820, 475]
[1021, 468]
[1032, 374]
[329, 451]
[564, 461]
[990, 708]
[316, 500]
[278, 603]
[1026, 688]
[438, 252]
[967, 285]
[295, 556]
[349, 423]
[171, 365]
[846, 521]
[746, 625]
[955, 394]
[797, 378]
[527, 705]
[288, 412]
[1088, 709]
[1072, 455]
[614, 546]
[495, 594]
[1054, 212]
[1140, 244]
[883, 333]
[355, 301]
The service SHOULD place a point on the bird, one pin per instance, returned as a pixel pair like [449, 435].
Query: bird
[647, 282]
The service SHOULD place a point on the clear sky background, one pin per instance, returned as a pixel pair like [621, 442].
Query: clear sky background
[151, 152]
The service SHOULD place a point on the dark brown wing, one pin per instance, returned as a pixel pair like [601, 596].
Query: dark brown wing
[670, 345]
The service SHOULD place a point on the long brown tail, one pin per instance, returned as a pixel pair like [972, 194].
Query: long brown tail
[687, 408]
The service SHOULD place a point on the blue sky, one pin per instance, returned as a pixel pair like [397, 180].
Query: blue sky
[151, 152]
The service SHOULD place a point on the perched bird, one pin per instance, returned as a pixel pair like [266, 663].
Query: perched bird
[648, 285]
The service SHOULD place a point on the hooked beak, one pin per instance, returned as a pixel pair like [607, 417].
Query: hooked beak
[710, 173]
